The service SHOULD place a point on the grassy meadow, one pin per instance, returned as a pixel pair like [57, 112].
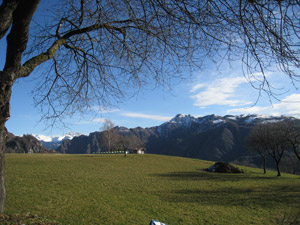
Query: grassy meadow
[113, 189]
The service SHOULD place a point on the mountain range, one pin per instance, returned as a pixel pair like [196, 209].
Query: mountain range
[211, 137]
[53, 142]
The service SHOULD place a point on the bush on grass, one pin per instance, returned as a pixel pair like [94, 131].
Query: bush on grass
[221, 167]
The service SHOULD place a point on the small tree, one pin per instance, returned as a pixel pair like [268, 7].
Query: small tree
[269, 138]
[255, 142]
[109, 135]
[276, 143]
[123, 143]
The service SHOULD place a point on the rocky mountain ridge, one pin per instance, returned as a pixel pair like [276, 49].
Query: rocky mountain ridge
[24, 144]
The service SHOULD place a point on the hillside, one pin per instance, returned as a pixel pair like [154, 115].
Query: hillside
[113, 189]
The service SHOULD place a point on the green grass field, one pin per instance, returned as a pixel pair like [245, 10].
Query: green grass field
[113, 189]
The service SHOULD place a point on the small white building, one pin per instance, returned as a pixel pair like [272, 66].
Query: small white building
[139, 151]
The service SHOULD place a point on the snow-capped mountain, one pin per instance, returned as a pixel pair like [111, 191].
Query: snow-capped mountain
[52, 142]
[182, 120]
[202, 124]
[56, 138]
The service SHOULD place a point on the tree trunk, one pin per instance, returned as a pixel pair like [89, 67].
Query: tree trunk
[5, 92]
[265, 164]
[3, 138]
[278, 169]
[264, 158]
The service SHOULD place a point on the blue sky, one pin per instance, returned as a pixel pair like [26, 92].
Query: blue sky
[219, 90]
[210, 91]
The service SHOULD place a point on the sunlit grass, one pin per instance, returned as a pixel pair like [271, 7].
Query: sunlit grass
[113, 189]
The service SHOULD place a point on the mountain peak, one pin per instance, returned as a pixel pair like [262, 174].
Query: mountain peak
[183, 119]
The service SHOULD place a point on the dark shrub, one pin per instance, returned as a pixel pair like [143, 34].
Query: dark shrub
[221, 167]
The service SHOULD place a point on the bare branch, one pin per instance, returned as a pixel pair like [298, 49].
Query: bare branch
[32, 63]
[103, 47]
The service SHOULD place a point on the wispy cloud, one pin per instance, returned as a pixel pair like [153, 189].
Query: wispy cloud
[198, 86]
[100, 109]
[91, 121]
[290, 105]
[147, 116]
[219, 92]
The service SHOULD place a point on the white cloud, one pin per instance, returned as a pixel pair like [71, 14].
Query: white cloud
[219, 92]
[250, 110]
[98, 120]
[290, 105]
[147, 116]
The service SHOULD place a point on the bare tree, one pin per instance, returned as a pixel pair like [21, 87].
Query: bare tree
[293, 136]
[109, 135]
[276, 142]
[123, 143]
[270, 138]
[256, 142]
[274, 139]
[95, 50]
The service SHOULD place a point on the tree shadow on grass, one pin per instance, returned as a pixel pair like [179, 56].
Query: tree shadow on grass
[234, 196]
[217, 177]
[253, 190]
